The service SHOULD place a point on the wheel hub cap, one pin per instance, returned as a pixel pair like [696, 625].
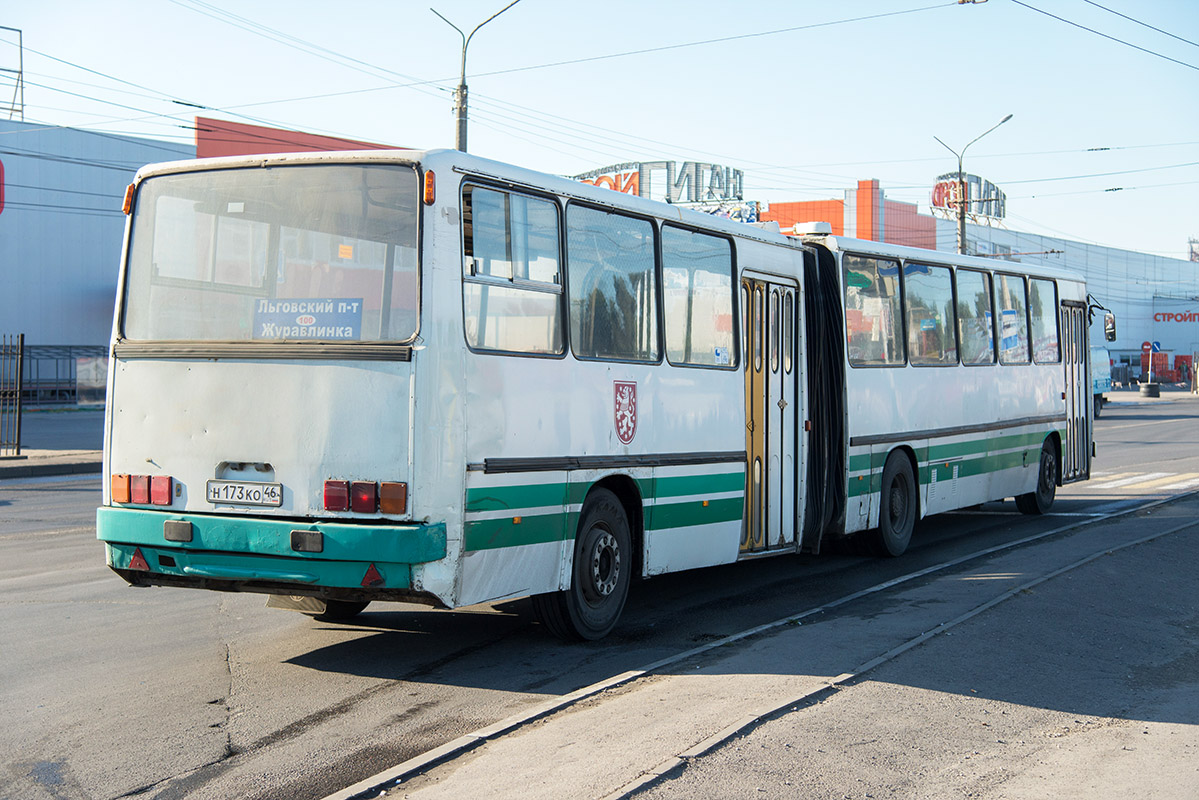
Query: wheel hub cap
[605, 564]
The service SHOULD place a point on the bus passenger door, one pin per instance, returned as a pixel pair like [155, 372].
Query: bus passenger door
[1076, 353]
[769, 315]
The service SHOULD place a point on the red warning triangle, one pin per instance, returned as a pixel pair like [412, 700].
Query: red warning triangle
[138, 561]
[372, 577]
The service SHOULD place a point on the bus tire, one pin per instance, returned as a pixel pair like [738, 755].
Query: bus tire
[600, 574]
[341, 610]
[1041, 499]
[896, 506]
[1098, 405]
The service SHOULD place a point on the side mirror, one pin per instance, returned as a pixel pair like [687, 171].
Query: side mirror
[1109, 326]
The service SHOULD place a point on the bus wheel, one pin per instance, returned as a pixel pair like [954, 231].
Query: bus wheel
[1040, 501]
[1098, 405]
[600, 577]
[341, 610]
[897, 506]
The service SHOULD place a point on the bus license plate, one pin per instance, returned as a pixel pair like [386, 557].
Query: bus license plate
[245, 493]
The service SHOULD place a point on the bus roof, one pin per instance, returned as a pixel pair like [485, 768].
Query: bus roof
[466, 164]
[471, 165]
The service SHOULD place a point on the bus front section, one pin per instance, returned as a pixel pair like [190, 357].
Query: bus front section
[262, 390]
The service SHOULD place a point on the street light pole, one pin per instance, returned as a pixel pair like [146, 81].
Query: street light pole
[460, 92]
[961, 201]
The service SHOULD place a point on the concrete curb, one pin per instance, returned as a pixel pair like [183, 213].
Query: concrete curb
[34, 467]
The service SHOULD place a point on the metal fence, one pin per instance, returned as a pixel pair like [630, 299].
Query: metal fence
[12, 351]
[51, 375]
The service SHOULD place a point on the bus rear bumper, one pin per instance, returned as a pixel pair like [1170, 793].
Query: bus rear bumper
[332, 560]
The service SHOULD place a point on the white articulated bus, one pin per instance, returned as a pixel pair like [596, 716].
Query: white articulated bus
[425, 376]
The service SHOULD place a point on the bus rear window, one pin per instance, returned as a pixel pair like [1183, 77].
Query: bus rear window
[297, 253]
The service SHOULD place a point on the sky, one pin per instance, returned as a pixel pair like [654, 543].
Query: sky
[806, 98]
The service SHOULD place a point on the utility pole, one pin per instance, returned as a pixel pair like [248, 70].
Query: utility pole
[961, 201]
[460, 92]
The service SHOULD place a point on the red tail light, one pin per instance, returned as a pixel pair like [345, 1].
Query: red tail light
[139, 489]
[144, 490]
[161, 489]
[364, 497]
[337, 495]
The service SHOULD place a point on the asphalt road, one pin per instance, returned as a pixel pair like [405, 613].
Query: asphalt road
[112, 690]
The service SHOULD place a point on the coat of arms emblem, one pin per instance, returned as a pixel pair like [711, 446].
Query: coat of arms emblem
[625, 416]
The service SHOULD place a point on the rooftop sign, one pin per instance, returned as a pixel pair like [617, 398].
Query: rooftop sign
[983, 198]
[689, 182]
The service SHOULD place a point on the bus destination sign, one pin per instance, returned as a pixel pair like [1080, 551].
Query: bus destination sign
[336, 318]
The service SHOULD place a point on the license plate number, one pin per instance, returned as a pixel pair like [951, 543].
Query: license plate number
[245, 493]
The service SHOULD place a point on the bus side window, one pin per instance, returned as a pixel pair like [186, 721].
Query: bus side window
[1012, 302]
[1013, 319]
[697, 298]
[613, 290]
[873, 314]
[928, 304]
[1042, 307]
[976, 329]
[512, 281]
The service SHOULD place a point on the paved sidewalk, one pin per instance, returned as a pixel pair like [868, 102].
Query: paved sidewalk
[1168, 392]
[1066, 668]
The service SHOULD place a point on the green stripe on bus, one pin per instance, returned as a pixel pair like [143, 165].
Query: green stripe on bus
[490, 534]
[967, 468]
[514, 498]
[577, 491]
[949, 450]
[501, 498]
[690, 485]
[940, 451]
[694, 512]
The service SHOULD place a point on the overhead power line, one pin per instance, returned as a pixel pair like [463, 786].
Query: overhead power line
[588, 59]
[296, 43]
[163, 95]
[1106, 36]
[1137, 21]
[719, 40]
[1104, 174]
